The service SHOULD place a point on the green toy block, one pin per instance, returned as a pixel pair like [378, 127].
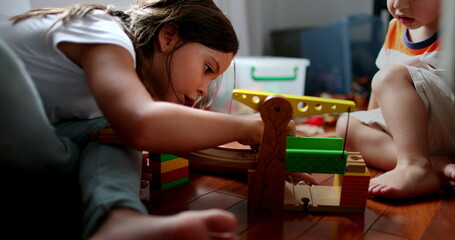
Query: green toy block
[314, 143]
[174, 183]
[160, 157]
[316, 161]
[315, 155]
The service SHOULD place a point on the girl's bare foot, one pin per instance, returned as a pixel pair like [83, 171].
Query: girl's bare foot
[405, 181]
[128, 224]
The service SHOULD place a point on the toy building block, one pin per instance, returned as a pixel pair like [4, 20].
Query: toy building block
[354, 182]
[316, 161]
[315, 155]
[168, 170]
[355, 163]
[354, 189]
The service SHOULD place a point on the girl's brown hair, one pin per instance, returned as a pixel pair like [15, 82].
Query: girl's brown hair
[198, 21]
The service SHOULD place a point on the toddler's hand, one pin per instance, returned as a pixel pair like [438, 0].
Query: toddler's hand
[307, 178]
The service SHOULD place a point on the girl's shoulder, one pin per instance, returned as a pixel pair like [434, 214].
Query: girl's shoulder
[95, 27]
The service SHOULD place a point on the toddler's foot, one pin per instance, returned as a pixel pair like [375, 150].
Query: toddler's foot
[445, 168]
[128, 224]
[405, 181]
[449, 173]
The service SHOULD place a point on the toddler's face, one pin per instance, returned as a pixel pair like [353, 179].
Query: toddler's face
[415, 13]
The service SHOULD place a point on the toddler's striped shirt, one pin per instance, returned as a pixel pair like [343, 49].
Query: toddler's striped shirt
[398, 49]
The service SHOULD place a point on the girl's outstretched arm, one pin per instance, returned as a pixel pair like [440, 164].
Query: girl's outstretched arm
[151, 125]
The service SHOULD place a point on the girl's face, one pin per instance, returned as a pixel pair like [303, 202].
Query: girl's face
[192, 67]
[416, 13]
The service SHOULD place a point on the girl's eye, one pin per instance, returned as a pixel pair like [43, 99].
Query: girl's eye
[208, 69]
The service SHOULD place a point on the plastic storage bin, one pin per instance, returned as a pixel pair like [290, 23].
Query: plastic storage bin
[342, 54]
[266, 74]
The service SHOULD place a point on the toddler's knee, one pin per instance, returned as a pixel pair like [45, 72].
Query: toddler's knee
[341, 126]
[390, 75]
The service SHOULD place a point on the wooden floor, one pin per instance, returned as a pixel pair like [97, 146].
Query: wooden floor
[431, 217]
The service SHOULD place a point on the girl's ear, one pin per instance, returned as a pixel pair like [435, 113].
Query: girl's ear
[168, 37]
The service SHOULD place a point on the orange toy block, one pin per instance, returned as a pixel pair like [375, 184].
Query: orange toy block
[354, 188]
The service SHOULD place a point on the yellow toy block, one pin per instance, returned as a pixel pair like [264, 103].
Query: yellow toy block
[174, 164]
[161, 163]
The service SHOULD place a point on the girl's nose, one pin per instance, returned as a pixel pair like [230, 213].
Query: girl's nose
[202, 89]
[201, 92]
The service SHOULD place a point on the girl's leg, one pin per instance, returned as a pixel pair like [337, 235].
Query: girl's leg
[406, 117]
[110, 178]
[110, 183]
[28, 140]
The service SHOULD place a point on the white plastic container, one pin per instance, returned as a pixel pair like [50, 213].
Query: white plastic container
[265, 74]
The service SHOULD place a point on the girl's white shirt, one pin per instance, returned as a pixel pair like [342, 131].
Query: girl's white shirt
[61, 83]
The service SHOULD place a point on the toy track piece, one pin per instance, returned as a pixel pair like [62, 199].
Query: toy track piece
[222, 160]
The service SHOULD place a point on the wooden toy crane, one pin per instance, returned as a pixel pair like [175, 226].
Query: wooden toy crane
[266, 182]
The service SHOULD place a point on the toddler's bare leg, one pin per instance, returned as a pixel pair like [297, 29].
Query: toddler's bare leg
[405, 115]
[376, 147]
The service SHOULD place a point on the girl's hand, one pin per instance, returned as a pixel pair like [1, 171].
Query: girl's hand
[254, 129]
[253, 136]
